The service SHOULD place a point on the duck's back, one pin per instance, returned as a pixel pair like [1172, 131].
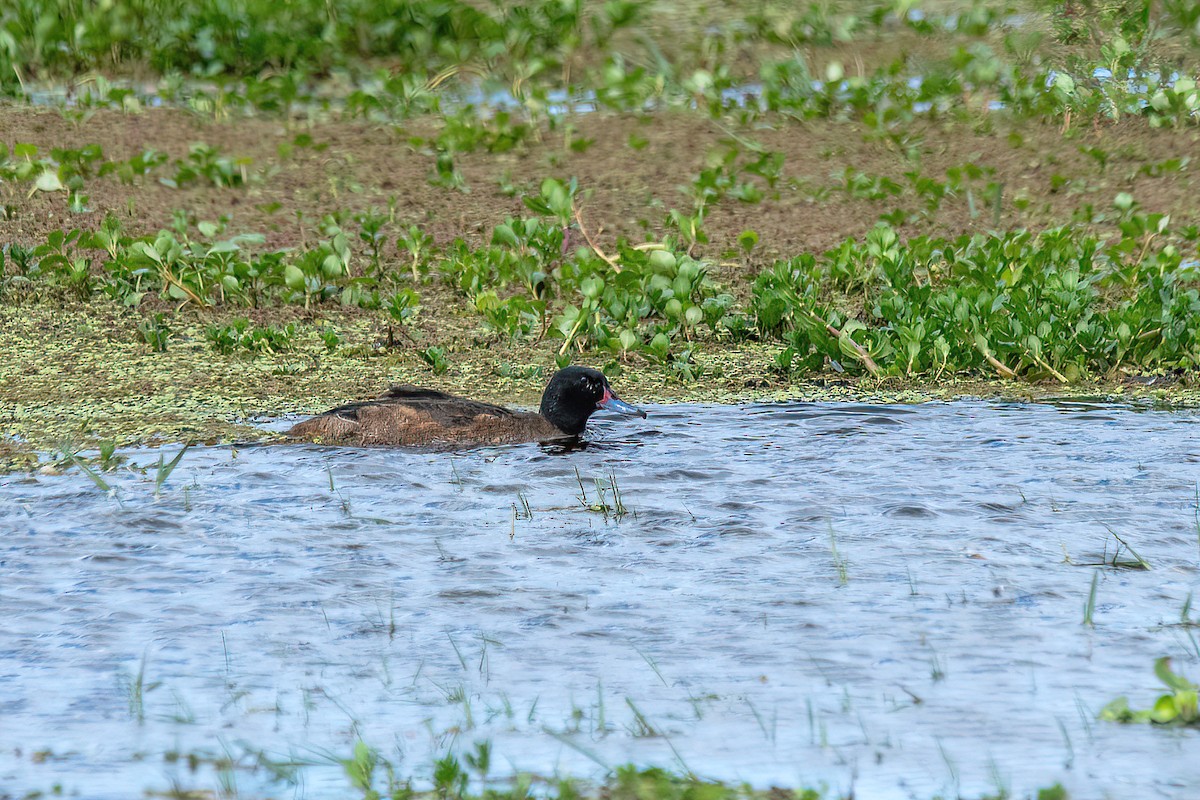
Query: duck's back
[412, 416]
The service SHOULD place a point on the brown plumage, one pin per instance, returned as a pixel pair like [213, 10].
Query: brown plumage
[412, 416]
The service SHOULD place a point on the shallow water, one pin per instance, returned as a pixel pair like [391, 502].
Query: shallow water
[289, 600]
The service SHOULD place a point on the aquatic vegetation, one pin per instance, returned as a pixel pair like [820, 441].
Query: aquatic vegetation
[435, 357]
[607, 496]
[1057, 304]
[1089, 607]
[239, 335]
[155, 332]
[206, 163]
[68, 169]
[1176, 707]
[377, 777]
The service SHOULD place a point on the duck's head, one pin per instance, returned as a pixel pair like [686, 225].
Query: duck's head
[574, 393]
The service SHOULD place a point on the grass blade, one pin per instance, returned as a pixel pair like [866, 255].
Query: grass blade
[165, 470]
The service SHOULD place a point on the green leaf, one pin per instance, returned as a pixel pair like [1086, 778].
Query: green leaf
[503, 234]
[1187, 702]
[48, 181]
[1162, 668]
[331, 266]
[293, 277]
[592, 287]
[1117, 711]
[662, 260]
[747, 240]
[1164, 709]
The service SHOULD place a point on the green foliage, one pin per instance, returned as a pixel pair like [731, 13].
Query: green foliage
[360, 769]
[403, 306]
[449, 778]
[240, 336]
[1055, 792]
[435, 357]
[1013, 303]
[155, 332]
[215, 38]
[216, 57]
[1176, 707]
[205, 163]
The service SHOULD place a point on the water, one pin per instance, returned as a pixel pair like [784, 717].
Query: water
[940, 649]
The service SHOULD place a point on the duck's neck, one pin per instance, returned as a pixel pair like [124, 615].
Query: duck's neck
[566, 420]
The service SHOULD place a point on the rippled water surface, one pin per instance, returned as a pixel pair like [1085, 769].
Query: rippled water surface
[883, 598]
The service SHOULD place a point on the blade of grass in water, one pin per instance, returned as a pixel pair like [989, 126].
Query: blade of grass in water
[91, 473]
[165, 469]
[1089, 608]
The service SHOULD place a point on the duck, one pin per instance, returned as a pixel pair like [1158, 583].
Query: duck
[413, 416]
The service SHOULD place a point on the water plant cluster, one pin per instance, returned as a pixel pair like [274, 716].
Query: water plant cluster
[1060, 304]
[1056, 304]
[389, 59]
[376, 778]
[1175, 707]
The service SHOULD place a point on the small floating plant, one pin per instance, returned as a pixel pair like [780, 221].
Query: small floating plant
[1176, 707]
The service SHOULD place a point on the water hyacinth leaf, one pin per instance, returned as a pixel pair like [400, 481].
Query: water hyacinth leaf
[1162, 669]
[660, 283]
[293, 277]
[660, 344]
[331, 266]
[1164, 709]
[1117, 710]
[48, 181]
[592, 287]
[504, 234]
[747, 240]
[1189, 706]
[846, 339]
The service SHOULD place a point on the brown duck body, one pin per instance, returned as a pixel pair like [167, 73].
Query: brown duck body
[411, 416]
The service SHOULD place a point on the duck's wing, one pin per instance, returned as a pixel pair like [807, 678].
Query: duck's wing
[404, 415]
[442, 409]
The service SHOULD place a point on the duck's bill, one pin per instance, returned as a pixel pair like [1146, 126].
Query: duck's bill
[610, 402]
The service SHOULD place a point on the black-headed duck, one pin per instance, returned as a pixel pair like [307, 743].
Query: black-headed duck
[410, 416]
